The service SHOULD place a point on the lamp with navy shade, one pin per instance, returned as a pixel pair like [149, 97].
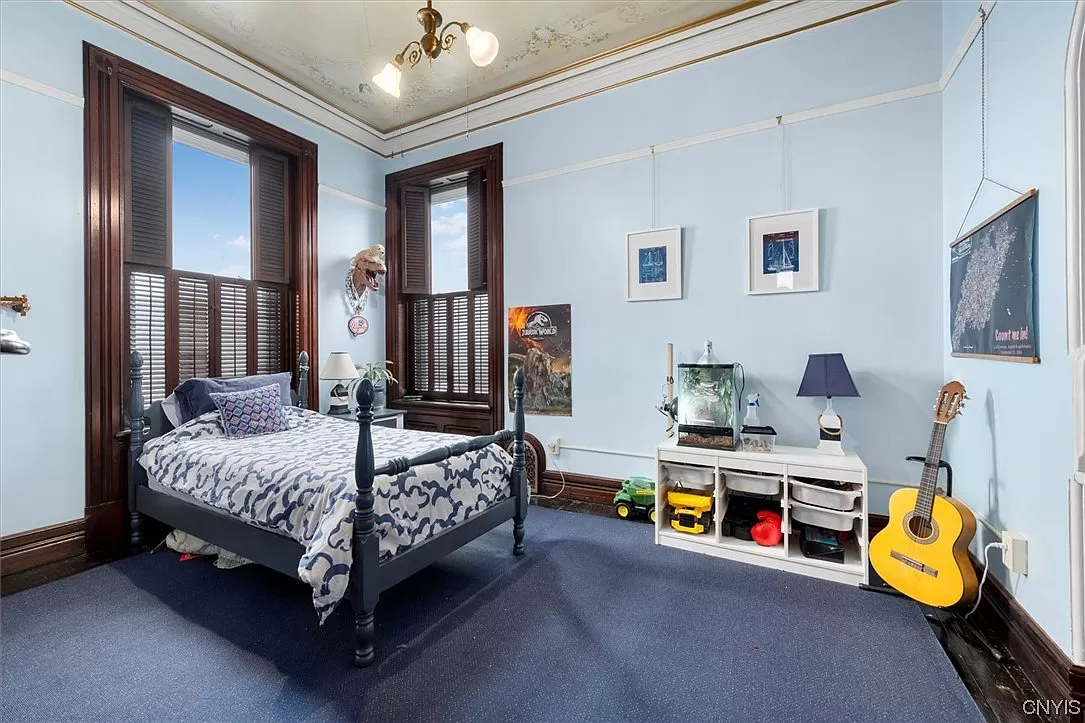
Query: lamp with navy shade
[827, 376]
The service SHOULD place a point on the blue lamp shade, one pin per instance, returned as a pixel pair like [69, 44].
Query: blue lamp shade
[827, 376]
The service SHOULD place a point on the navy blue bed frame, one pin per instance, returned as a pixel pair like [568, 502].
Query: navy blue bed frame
[369, 575]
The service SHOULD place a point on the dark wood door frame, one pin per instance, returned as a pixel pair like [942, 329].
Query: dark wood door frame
[489, 161]
[105, 80]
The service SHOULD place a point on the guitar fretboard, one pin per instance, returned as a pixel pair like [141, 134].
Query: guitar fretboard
[924, 504]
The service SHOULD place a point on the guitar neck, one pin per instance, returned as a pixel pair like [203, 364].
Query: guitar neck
[924, 505]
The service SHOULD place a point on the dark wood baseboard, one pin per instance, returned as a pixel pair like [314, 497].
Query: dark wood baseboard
[579, 487]
[25, 550]
[1014, 630]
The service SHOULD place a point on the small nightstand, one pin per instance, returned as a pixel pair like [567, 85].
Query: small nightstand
[387, 418]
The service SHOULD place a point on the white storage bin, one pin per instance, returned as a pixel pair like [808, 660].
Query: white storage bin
[690, 477]
[758, 484]
[821, 517]
[834, 498]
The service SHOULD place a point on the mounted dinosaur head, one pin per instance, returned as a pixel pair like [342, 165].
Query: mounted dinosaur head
[366, 268]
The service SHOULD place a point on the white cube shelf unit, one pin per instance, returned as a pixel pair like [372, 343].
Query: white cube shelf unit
[785, 470]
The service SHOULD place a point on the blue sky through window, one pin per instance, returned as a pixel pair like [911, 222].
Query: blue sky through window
[448, 250]
[211, 219]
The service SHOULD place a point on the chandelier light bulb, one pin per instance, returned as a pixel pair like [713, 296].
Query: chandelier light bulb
[388, 79]
[482, 46]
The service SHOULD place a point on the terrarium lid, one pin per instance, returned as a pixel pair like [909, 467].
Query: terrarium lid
[747, 429]
[706, 366]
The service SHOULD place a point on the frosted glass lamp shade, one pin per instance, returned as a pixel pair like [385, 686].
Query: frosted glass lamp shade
[388, 79]
[482, 46]
[339, 366]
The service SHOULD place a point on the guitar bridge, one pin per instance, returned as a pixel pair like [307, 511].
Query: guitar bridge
[914, 564]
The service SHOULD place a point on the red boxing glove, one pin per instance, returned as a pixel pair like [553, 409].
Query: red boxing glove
[767, 532]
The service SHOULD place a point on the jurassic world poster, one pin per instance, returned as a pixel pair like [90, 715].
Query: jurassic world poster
[541, 343]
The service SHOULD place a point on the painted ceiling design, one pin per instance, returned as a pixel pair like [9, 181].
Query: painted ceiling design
[332, 49]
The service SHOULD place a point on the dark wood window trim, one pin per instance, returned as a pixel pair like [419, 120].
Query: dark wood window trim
[106, 79]
[488, 160]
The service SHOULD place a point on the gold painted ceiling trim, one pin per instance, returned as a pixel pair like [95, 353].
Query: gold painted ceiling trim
[295, 88]
[388, 131]
[639, 78]
[391, 136]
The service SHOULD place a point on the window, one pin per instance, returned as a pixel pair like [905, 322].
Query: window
[206, 252]
[448, 313]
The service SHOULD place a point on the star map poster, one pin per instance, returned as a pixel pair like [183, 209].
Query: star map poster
[992, 304]
[541, 343]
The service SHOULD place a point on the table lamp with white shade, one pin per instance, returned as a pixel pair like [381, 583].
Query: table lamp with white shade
[339, 368]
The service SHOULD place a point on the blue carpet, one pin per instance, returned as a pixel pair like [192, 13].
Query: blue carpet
[595, 623]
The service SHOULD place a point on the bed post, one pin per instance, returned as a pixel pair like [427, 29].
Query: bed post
[365, 562]
[519, 480]
[136, 474]
[303, 380]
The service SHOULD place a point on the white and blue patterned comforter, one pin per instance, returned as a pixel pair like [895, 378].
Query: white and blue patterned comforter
[300, 483]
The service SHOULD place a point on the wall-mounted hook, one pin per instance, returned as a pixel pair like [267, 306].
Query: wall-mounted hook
[19, 304]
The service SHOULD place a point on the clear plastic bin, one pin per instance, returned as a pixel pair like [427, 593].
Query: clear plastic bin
[821, 517]
[834, 498]
[758, 484]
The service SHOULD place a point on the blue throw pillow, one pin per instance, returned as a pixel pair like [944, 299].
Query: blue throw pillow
[194, 395]
[252, 412]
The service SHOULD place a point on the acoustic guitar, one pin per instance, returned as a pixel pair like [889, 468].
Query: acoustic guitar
[923, 552]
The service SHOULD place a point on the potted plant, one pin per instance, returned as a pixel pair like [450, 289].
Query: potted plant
[380, 375]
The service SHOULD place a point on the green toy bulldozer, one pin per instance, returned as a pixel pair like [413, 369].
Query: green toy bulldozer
[636, 496]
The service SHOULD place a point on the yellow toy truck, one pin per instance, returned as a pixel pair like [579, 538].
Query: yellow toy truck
[691, 511]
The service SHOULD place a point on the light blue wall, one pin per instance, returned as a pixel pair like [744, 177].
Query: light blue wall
[875, 173]
[1012, 450]
[41, 246]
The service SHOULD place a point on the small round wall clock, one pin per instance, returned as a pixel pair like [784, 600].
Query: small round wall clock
[357, 325]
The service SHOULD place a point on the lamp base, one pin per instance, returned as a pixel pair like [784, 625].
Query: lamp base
[830, 431]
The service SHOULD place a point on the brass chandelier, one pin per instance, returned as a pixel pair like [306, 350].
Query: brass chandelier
[481, 47]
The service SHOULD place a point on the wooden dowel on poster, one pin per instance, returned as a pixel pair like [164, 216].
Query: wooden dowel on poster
[996, 357]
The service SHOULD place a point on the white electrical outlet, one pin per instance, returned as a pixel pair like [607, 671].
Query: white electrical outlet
[1015, 556]
[554, 446]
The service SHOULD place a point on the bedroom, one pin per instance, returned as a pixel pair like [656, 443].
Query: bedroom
[900, 125]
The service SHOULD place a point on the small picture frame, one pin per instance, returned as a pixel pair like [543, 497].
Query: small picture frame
[653, 268]
[782, 252]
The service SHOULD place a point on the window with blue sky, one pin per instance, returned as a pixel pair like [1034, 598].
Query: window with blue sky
[448, 250]
[211, 213]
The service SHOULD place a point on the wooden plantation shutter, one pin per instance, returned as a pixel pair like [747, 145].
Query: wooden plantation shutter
[146, 291]
[271, 341]
[480, 329]
[148, 133]
[233, 327]
[147, 211]
[420, 345]
[476, 232]
[414, 203]
[192, 297]
[270, 219]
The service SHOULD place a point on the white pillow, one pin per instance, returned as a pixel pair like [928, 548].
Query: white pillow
[172, 410]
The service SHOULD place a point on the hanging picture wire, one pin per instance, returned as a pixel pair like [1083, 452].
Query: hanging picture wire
[785, 166]
[984, 16]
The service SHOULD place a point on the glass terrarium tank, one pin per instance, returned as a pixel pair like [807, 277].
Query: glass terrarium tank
[707, 399]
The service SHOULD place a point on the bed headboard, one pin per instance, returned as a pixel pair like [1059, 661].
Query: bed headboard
[155, 423]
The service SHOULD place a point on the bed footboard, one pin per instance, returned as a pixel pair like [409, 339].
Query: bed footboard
[366, 580]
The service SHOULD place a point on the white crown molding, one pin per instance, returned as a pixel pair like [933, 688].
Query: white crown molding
[756, 25]
[40, 88]
[751, 26]
[153, 27]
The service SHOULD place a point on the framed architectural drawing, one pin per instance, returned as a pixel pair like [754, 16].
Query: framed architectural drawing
[653, 266]
[782, 252]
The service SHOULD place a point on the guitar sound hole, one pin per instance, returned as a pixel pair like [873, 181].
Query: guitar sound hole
[920, 528]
